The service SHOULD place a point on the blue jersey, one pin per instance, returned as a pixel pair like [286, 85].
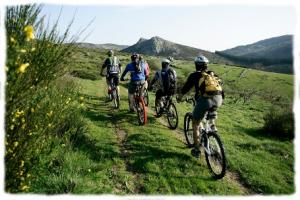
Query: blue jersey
[135, 76]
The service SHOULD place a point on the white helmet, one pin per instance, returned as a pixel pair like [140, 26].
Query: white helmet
[165, 60]
[201, 59]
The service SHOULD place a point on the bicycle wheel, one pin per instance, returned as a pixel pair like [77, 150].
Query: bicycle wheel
[141, 111]
[188, 129]
[172, 116]
[116, 99]
[157, 108]
[146, 97]
[215, 155]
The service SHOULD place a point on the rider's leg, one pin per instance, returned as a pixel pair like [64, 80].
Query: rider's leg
[196, 133]
[131, 89]
[198, 114]
[116, 80]
[158, 95]
[108, 85]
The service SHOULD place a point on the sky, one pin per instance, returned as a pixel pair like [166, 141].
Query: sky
[210, 27]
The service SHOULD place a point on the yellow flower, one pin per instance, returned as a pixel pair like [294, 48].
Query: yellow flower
[29, 32]
[22, 163]
[12, 40]
[23, 67]
[25, 187]
[50, 113]
[32, 110]
[23, 126]
[23, 51]
[32, 49]
[16, 144]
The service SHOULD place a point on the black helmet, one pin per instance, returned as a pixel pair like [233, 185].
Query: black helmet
[201, 63]
[134, 57]
[165, 62]
[110, 52]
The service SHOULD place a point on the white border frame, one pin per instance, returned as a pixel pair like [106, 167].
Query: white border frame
[296, 53]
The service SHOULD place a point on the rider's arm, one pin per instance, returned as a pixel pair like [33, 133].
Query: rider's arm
[188, 84]
[154, 79]
[104, 65]
[124, 73]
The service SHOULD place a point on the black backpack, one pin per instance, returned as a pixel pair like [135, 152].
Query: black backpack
[169, 80]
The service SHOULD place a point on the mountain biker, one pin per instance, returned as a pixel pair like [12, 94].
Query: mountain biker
[138, 76]
[113, 70]
[141, 59]
[205, 100]
[167, 81]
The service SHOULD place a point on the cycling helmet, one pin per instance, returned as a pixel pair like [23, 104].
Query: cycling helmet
[134, 56]
[201, 62]
[110, 52]
[140, 57]
[165, 62]
[170, 58]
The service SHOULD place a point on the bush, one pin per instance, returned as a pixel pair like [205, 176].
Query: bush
[84, 74]
[279, 122]
[40, 107]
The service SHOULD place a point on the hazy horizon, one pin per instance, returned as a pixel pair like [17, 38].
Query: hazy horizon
[214, 27]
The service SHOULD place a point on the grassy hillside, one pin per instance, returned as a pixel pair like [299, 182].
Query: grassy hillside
[156, 158]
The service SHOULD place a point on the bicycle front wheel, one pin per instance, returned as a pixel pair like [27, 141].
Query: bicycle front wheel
[188, 129]
[141, 111]
[215, 155]
[172, 116]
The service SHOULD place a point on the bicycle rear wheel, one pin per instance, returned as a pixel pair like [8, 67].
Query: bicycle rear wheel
[172, 116]
[215, 155]
[188, 129]
[116, 99]
[141, 111]
[157, 108]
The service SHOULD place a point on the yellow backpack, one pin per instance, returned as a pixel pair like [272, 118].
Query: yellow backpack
[212, 82]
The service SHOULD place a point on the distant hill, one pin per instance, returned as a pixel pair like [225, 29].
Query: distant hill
[157, 46]
[102, 46]
[273, 54]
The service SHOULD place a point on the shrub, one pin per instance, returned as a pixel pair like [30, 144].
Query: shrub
[279, 122]
[84, 74]
[40, 107]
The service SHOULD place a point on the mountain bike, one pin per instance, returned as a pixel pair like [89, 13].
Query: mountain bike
[114, 94]
[210, 141]
[139, 104]
[166, 106]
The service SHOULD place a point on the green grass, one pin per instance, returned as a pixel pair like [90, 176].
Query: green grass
[162, 163]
